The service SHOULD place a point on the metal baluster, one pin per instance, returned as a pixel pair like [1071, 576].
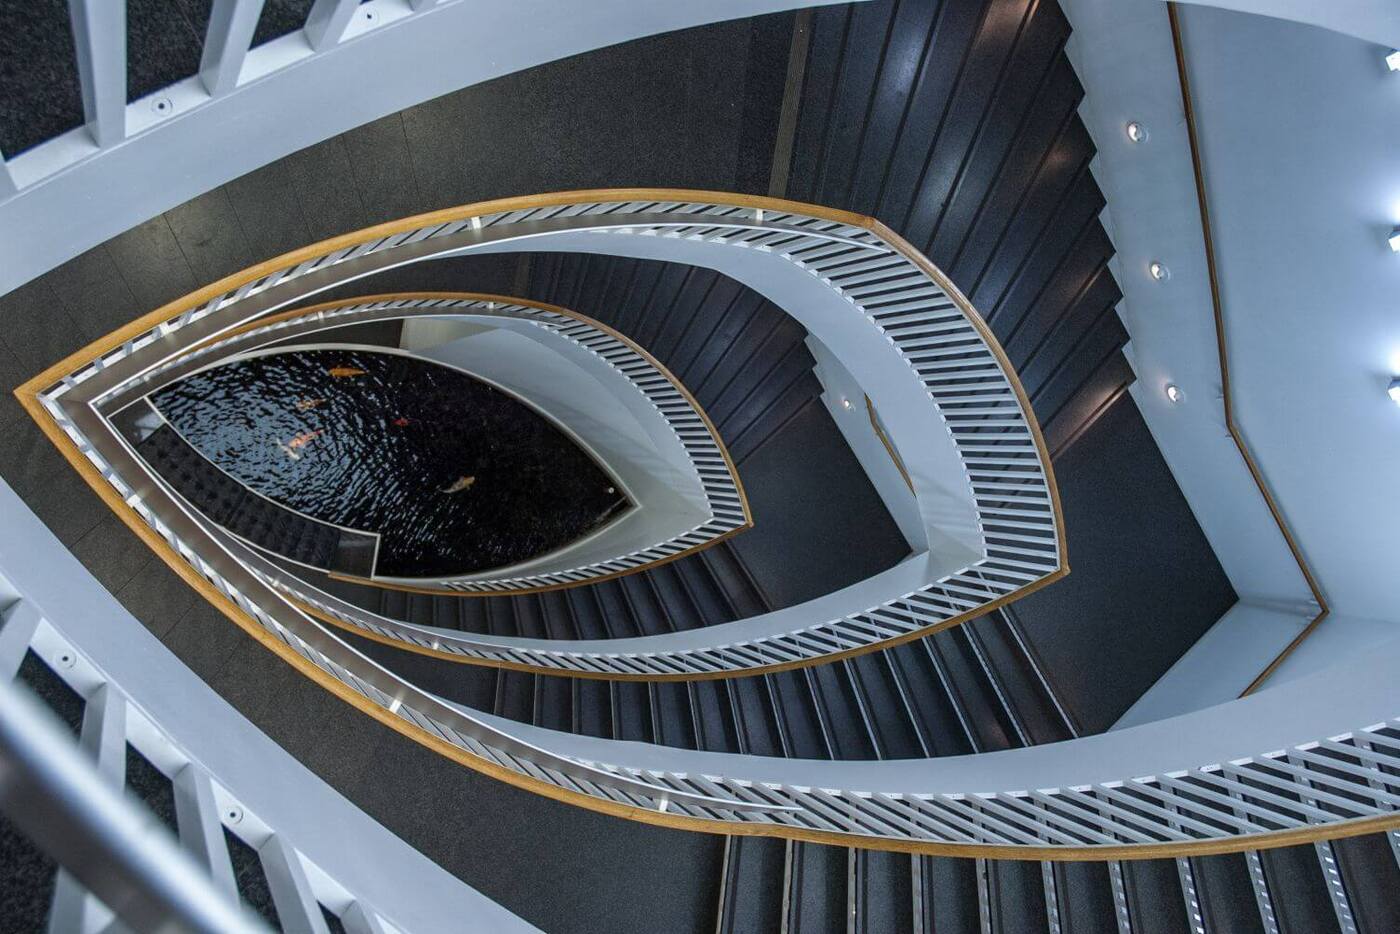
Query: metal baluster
[1331, 871]
[1120, 897]
[297, 908]
[984, 896]
[201, 828]
[8, 186]
[1052, 896]
[18, 631]
[358, 919]
[1260, 883]
[99, 38]
[103, 738]
[226, 41]
[1194, 915]
[325, 24]
[1392, 836]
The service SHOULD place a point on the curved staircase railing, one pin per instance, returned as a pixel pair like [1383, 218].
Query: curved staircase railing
[1274, 769]
[728, 509]
[938, 365]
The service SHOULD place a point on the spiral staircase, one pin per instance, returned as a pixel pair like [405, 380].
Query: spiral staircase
[800, 721]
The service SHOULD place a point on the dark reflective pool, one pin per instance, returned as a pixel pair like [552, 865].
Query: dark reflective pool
[456, 475]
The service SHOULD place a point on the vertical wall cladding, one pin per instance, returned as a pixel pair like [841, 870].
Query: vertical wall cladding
[956, 124]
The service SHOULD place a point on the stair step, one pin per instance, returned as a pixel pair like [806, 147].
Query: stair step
[1226, 893]
[1298, 890]
[1084, 893]
[817, 885]
[752, 899]
[1155, 901]
[882, 891]
[947, 896]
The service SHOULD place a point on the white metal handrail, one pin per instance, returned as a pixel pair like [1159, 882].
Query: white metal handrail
[131, 161]
[117, 853]
[1268, 770]
[727, 508]
[929, 332]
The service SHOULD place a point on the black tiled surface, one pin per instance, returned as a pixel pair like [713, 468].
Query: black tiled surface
[38, 74]
[325, 185]
[210, 236]
[94, 292]
[152, 264]
[203, 637]
[383, 169]
[157, 596]
[112, 553]
[37, 329]
[268, 210]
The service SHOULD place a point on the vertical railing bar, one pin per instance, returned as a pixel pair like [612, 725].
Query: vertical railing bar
[8, 185]
[17, 632]
[201, 828]
[103, 739]
[326, 23]
[232, 24]
[297, 908]
[99, 39]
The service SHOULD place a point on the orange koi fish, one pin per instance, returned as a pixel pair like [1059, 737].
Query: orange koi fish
[306, 404]
[345, 372]
[300, 441]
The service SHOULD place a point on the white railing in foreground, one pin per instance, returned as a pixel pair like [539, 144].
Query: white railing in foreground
[315, 847]
[936, 347]
[727, 508]
[132, 161]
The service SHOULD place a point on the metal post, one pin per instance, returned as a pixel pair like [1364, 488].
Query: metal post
[297, 908]
[104, 739]
[99, 36]
[226, 42]
[326, 22]
[7, 179]
[15, 636]
[360, 920]
[201, 829]
[55, 796]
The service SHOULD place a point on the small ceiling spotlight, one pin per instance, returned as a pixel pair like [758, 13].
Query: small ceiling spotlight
[1395, 240]
[846, 404]
[1136, 131]
[1393, 59]
[1393, 390]
[1159, 271]
[1173, 392]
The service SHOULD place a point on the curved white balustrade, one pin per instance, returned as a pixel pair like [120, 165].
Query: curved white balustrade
[317, 847]
[1289, 764]
[724, 509]
[134, 160]
[949, 401]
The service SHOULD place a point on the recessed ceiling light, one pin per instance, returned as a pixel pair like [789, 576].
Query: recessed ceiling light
[1394, 390]
[1136, 131]
[1173, 392]
[1395, 239]
[846, 404]
[1159, 271]
[1393, 59]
